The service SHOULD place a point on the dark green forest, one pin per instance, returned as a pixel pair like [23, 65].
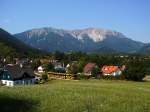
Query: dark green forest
[11, 46]
[137, 66]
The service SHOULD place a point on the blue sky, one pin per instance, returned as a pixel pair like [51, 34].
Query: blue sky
[131, 17]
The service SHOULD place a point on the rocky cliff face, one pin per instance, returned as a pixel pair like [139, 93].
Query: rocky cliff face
[87, 40]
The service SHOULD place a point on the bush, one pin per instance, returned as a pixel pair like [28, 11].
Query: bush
[60, 70]
[80, 77]
[135, 70]
[44, 76]
[109, 77]
[95, 71]
[48, 67]
[134, 73]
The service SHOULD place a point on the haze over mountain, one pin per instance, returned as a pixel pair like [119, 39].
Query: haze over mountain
[86, 40]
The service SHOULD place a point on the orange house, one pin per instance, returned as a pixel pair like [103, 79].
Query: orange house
[111, 70]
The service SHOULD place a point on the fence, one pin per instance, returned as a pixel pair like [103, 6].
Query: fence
[54, 75]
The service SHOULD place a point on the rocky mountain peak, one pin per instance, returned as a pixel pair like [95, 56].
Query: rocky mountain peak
[88, 39]
[95, 34]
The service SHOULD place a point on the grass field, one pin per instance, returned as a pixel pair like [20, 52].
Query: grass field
[77, 96]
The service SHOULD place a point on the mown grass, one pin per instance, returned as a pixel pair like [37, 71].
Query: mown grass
[77, 96]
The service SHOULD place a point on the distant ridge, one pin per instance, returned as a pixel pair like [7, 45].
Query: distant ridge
[85, 40]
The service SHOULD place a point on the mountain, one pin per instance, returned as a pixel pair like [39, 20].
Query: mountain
[10, 45]
[105, 50]
[145, 49]
[86, 40]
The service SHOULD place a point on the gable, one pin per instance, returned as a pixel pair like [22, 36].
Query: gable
[89, 67]
[6, 75]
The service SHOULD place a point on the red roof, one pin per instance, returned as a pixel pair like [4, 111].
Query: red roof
[88, 67]
[110, 69]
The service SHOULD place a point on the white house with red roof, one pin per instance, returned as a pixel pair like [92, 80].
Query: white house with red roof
[111, 70]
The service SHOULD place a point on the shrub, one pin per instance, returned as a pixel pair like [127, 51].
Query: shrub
[60, 70]
[134, 73]
[135, 70]
[110, 77]
[95, 71]
[44, 76]
[48, 67]
[80, 77]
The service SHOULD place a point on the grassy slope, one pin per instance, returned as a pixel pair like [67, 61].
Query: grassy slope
[10, 45]
[77, 96]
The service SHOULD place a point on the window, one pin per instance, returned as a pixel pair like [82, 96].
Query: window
[8, 77]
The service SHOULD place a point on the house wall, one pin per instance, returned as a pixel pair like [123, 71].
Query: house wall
[18, 82]
[8, 82]
[105, 74]
[24, 82]
[40, 69]
[117, 73]
[89, 73]
[114, 73]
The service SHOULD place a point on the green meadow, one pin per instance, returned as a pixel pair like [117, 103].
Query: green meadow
[77, 96]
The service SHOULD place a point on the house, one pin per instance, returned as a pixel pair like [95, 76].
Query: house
[14, 74]
[59, 66]
[40, 69]
[21, 61]
[44, 61]
[2, 62]
[111, 70]
[69, 66]
[88, 68]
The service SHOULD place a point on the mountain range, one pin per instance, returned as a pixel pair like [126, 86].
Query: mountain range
[85, 40]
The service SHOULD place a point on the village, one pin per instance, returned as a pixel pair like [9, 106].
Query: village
[21, 72]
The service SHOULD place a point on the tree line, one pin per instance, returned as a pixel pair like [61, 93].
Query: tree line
[137, 66]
